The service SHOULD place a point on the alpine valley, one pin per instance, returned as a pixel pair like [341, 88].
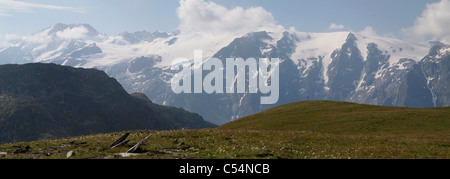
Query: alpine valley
[340, 66]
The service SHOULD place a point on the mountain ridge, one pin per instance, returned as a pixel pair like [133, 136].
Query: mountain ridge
[343, 66]
[46, 101]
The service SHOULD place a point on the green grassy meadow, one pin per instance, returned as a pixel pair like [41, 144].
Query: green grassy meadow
[304, 130]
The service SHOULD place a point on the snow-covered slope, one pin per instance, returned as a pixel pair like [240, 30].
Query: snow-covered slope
[315, 45]
[345, 66]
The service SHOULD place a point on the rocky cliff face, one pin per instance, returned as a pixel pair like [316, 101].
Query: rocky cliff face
[435, 67]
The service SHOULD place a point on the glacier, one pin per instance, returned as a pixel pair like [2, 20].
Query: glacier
[343, 66]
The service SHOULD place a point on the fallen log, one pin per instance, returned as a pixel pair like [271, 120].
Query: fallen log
[136, 147]
[121, 144]
[120, 140]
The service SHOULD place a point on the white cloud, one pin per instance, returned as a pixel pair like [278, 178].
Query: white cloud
[368, 31]
[12, 37]
[39, 38]
[8, 6]
[198, 16]
[207, 26]
[334, 26]
[44, 38]
[433, 24]
[73, 33]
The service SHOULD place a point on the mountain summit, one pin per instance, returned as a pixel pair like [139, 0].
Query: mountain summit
[60, 28]
[342, 66]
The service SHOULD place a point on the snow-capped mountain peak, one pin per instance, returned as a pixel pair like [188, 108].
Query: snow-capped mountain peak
[72, 30]
[344, 66]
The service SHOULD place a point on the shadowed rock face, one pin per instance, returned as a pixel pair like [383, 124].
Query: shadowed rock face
[436, 67]
[345, 70]
[44, 101]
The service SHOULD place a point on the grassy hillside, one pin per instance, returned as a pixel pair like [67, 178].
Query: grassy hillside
[347, 118]
[319, 129]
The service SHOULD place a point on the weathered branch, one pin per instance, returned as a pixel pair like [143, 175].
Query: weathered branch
[121, 144]
[120, 140]
[136, 147]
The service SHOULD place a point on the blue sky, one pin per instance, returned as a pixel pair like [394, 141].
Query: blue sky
[386, 16]
[114, 16]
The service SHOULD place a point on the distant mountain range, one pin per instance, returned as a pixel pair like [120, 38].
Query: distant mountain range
[341, 66]
[47, 101]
